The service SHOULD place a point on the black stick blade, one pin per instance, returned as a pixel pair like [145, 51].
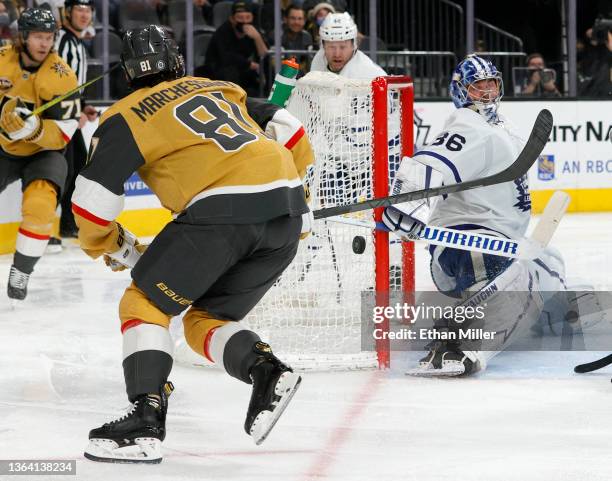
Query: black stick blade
[594, 366]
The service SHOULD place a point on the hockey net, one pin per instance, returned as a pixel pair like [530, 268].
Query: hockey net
[359, 131]
[312, 316]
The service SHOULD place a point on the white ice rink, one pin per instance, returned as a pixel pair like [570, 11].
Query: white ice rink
[528, 417]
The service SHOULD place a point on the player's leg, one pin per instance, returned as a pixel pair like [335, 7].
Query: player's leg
[147, 361]
[211, 330]
[76, 155]
[507, 289]
[43, 175]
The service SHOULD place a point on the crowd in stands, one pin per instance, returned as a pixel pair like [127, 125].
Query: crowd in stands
[232, 38]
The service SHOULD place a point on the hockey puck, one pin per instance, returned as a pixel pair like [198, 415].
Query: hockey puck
[359, 244]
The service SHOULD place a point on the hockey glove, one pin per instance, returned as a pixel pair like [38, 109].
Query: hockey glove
[130, 251]
[408, 228]
[18, 124]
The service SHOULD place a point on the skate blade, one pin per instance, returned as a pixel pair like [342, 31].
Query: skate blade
[54, 249]
[448, 370]
[143, 451]
[286, 387]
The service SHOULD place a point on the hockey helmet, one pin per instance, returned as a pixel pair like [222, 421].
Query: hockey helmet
[337, 27]
[472, 69]
[73, 3]
[149, 52]
[36, 20]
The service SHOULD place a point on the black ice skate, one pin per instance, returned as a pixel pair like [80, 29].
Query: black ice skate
[447, 360]
[135, 437]
[17, 284]
[274, 384]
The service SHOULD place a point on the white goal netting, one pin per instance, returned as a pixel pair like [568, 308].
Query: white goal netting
[312, 316]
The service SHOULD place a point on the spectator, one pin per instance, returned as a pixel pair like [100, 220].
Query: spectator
[540, 81]
[5, 25]
[235, 49]
[337, 5]
[294, 36]
[266, 18]
[113, 11]
[595, 74]
[339, 53]
[316, 17]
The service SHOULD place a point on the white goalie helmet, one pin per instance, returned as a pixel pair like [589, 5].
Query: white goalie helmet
[337, 27]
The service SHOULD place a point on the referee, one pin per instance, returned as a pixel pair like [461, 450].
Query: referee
[78, 15]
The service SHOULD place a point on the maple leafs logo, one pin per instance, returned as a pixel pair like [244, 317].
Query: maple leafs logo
[60, 69]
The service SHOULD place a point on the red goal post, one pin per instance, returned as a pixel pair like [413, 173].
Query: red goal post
[380, 145]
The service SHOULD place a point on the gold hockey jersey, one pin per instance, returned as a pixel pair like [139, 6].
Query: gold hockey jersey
[36, 87]
[211, 155]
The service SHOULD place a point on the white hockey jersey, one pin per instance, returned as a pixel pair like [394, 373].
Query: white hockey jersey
[470, 148]
[358, 67]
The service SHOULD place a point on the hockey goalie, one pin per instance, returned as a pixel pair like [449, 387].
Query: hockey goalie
[477, 141]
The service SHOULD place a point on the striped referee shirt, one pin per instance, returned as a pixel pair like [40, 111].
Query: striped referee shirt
[72, 50]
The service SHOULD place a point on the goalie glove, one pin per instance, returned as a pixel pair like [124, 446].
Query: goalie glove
[130, 251]
[19, 124]
[408, 218]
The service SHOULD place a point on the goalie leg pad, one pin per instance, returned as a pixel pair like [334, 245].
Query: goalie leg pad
[511, 305]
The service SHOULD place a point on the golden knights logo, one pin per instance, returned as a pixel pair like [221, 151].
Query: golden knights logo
[546, 167]
[60, 69]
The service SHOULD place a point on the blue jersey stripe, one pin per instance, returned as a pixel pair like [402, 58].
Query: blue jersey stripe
[444, 160]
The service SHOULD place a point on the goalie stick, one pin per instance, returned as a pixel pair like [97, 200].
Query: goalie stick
[525, 248]
[533, 148]
[594, 366]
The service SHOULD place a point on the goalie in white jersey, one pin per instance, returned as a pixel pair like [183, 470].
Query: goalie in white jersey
[476, 142]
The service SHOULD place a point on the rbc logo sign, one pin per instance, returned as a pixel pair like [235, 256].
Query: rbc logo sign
[546, 167]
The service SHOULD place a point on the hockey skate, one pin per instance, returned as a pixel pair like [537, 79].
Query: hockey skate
[274, 384]
[135, 437]
[17, 287]
[447, 360]
[54, 246]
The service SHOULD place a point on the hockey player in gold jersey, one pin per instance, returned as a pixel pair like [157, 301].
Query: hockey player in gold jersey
[31, 147]
[229, 168]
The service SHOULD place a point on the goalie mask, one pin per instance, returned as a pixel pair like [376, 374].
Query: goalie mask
[483, 98]
[150, 56]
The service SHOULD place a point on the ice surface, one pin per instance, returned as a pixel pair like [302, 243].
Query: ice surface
[528, 417]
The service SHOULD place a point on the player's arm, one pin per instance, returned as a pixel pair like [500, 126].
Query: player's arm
[287, 130]
[457, 154]
[58, 123]
[99, 193]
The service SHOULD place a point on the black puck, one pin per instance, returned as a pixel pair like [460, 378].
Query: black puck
[359, 244]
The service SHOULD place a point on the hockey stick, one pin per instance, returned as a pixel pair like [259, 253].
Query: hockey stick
[533, 148]
[593, 366]
[56, 100]
[525, 248]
